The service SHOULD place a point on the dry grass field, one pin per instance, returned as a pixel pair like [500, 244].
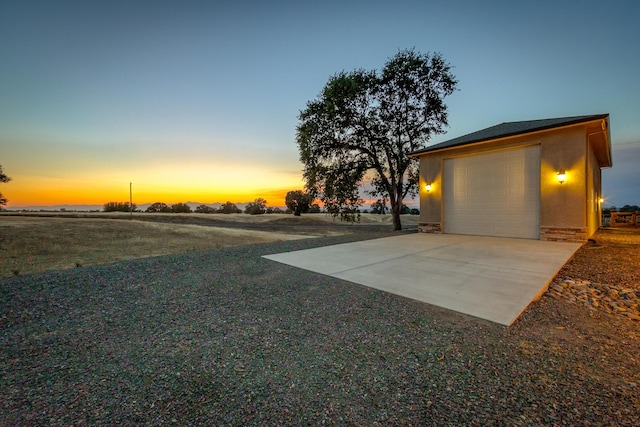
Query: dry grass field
[38, 244]
[33, 243]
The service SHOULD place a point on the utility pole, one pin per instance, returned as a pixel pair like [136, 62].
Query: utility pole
[130, 201]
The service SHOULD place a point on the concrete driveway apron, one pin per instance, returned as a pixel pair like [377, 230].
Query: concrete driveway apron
[488, 277]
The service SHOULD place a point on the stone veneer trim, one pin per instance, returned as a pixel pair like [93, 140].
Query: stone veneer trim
[430, 227]
[564, 234]
[552, 234]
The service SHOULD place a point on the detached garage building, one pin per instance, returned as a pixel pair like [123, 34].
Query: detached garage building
[537, 179]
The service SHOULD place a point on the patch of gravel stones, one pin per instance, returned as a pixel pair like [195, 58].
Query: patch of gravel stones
[597, 296]
[227, 337]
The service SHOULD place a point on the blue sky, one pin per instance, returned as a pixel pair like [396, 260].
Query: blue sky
[198, 100]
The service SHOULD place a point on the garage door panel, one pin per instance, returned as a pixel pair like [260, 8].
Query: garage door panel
[494, 194]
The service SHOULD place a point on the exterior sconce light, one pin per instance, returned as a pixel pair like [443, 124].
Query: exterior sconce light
[601, 200]
[428, 187]
[562, 176]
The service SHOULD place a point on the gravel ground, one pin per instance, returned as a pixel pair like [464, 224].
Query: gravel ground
[229, 338]
[612, 257]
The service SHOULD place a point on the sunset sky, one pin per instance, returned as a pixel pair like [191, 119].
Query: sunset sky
[198, 100]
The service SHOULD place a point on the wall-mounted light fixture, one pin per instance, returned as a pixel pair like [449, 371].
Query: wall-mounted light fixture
[428, 187]
[562, 176]
[601, 200]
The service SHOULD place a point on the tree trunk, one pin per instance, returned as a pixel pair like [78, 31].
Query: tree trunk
[395, 213]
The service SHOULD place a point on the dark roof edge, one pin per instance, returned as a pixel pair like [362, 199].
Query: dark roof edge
[570, 121]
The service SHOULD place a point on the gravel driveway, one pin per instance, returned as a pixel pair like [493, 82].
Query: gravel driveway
[229, 338]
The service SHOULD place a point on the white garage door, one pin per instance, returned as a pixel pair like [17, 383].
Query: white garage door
[494, 194]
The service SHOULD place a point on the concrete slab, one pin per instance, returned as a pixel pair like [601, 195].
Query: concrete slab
[488, 277]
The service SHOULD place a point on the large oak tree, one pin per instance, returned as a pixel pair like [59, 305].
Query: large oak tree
[364, 123]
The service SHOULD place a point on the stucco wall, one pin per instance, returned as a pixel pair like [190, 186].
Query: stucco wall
[430, 201]
[594, 192]
[563, 207]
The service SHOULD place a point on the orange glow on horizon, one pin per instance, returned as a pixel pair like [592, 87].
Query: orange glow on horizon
[239, 187]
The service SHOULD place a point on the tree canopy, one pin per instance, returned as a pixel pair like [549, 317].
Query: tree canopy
[257, 207]
[205, 209]
[180, 208]
[3, 178]
[298, 201]
[119, 207]
[630, 208]
[364, 123]
[159, 207]
[379, 207]
[229, 208]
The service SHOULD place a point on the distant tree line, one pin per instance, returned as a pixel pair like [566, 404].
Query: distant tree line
[297, 203]
[119, 207]
[625, 208]
[160, 207]
[380, 208]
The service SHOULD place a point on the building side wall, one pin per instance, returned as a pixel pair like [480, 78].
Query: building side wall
[594, 191]
[563, 207]
[430, 201]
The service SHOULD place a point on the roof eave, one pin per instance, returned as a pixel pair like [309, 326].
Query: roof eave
[604, 154]
[595, 117]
